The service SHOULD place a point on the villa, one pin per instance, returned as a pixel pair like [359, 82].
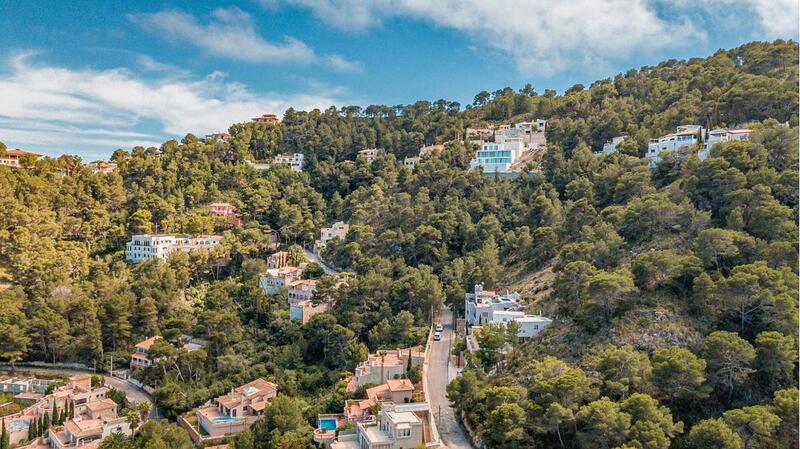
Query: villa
[102, 167]
[685, 136]
[161, 246]
[611, 146]
[96, 421]
[295, 161]
[274, 279]
[370, 154]
[337, 230]
[11, 158]
[397, 426]
[385, 365]
[721, 135]
[237, 410]
[19, 385]
[266, 118]
[141, 354]
[485, 307]
[277, 260]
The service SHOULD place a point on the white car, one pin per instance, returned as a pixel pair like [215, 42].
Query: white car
[439, 328]
[437, 336]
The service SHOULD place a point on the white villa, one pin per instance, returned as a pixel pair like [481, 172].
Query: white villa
[721, 135]
[611, 146]
[685, 136]
[160, 246]
[294, 161]
[337, 230]
[484, 307]
[397, 426]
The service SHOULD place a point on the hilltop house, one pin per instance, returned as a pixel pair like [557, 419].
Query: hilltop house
[370, 154]
[218, 137]
[237, 410]
[11, 158]
[266, 118]
[102, 167]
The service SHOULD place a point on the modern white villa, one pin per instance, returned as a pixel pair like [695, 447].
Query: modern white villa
[485, 307]
[161, 246]
[397, 426]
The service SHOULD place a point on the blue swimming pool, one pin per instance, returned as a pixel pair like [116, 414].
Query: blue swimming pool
[327, 423]
[18, 424]
[225, 419]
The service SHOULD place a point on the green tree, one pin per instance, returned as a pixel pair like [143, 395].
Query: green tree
[505, 426]
[602, 424]
[728, 359]
[678, 373]
[755, 425]
[608, 290]
[776, 355]
[624, 369]
[713, 434]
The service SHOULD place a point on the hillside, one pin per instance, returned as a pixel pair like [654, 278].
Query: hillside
[673, 289]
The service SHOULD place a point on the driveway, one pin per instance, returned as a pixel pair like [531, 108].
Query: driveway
[318, 260]
[438, 375]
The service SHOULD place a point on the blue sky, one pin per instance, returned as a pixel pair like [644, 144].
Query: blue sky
[86, 78]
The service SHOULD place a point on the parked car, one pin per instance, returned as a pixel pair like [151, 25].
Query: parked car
[439, 328]
[437, 336]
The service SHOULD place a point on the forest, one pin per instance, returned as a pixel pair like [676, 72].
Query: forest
[673, 293]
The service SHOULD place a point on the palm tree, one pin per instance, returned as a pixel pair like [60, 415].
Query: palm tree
[144, 410]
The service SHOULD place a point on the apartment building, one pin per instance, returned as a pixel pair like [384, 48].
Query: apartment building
[237, 410]
[161, 246]
[385, 365]
[337, 230]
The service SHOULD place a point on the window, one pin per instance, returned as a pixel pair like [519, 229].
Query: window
[403, 433]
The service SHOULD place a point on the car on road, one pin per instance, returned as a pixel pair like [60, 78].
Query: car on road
[437, 336]
[439, 328]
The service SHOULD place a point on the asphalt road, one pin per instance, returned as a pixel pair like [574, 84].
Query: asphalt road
[325, 267]
[439, 374]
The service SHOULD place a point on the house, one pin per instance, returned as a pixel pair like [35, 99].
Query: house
[486, 307]
[19, 385]
[103, 167]
[337, 230]
[721, 135]
[685, 136]
[478, 134]
[427, 150]
[266, 118]
[370, 154]
[161, 246]
[384, 365]
[411, 161]
[225, 211]
[295, 161]
[12, 157]
[533, 132]
[97, 421]
[304, 310]
[611, 146]
[237, 410]
[192, 343]
[277, 260]
[397, 426]
[141, 353]
[302, 290]
[276, 278]
[498, 157]
[218, 137]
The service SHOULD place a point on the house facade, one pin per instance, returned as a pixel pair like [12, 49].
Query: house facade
[141, 353]
[337, 230]
[370, 154]
[611, 146]
[295, 161]
[161, 246]
[685, 136]
[397, 426]
[266, 118]
[385, 365]
[102, 167]
[12, 157]
[486, 307]
[274, 279]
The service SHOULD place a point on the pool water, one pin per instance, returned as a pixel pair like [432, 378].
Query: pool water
[18, 424]
[225, 419]
[327, 424]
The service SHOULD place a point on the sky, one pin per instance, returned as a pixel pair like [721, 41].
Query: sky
[86, 78]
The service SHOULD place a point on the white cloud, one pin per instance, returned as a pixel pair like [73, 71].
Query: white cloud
[59, 108]
[230, 33]
[547, 36]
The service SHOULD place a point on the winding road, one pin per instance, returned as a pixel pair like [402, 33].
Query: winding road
[318, 260]
[439, 374]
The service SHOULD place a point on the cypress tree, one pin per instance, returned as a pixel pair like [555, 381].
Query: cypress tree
[71, 409]
[34, 428]
[4, 439]
[46, 422]
[30, 431]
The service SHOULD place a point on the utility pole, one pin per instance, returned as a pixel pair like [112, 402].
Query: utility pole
[111, 367]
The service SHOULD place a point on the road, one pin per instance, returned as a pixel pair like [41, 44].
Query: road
[315, 258]
[438, 375]
[132, 392]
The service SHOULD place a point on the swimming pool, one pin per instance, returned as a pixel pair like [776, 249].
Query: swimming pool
[327, 423]
[225, 419]
[18, 424]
